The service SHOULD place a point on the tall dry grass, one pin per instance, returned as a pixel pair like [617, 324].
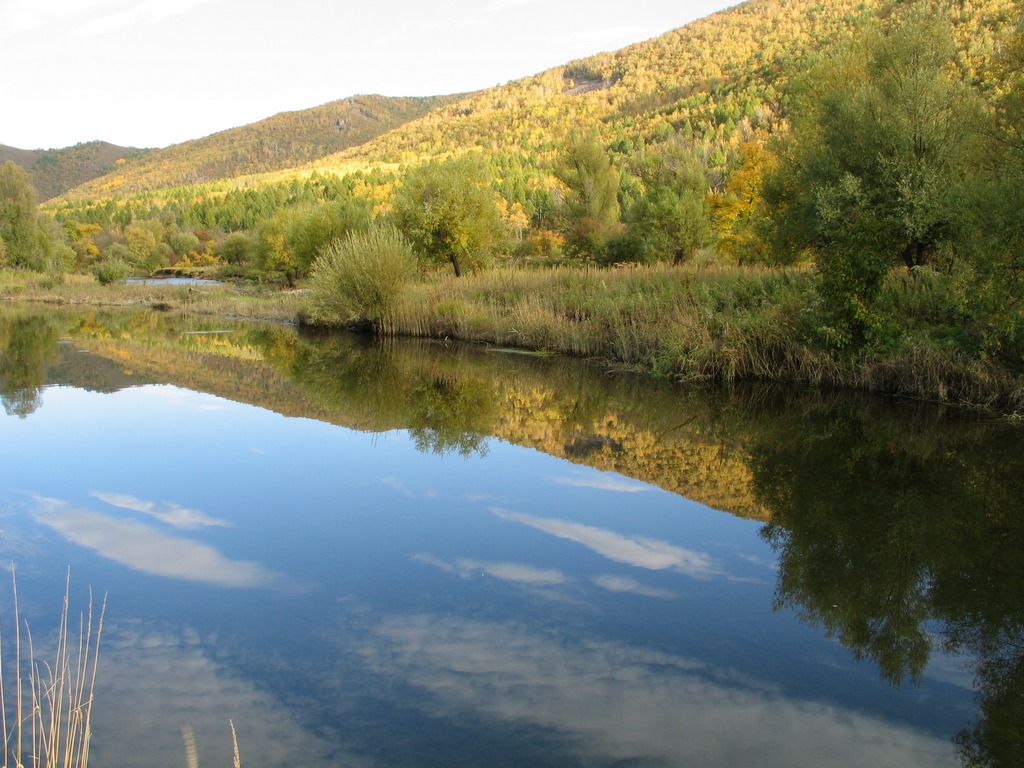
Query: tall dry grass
[691, 323]
[716, 323]
[48, 721]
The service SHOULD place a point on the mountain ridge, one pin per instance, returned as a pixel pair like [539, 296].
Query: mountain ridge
[278, 142]
[702, 79]
[717, 82]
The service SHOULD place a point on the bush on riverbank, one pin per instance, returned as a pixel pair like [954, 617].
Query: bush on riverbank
[357, 280]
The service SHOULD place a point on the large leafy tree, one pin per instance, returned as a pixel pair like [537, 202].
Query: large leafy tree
[447, 209]
[672, 219]
[874, 170]
[591, 215]
[19, 229]
[992, 281]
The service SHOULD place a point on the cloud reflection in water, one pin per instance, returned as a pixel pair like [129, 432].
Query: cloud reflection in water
[517, 573]
[638, 551]
[154, 680]
[169, 513]
[604, 482]
[148, 549]
[615, 703]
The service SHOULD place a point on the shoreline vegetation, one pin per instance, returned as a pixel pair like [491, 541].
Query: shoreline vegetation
[694, 323]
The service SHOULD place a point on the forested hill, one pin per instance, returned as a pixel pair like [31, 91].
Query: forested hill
[54, 171]
[286, 140]
[718, 81]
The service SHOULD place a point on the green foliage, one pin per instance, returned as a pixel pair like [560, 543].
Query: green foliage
[357, 279]
[19, 229]
[55, 255]
[672, 218]
[313, 229]
[112, 270]
[874, 171]
[992, 280]
[236, 249]
[448, 210]
[590, 215]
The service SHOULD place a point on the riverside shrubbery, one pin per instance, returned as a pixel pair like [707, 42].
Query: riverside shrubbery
[356, 281]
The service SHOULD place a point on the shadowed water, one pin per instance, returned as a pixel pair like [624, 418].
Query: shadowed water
[417, 554]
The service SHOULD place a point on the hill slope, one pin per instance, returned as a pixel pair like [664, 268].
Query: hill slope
[717, 82]
[54, 171]
[286, 140]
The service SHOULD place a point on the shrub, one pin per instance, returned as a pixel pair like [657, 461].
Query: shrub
[357, 279]
[111, 270]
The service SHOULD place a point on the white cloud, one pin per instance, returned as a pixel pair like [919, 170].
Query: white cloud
[624, 584]
[639, 551]
[612, 703]
[148, 549]
[172, 514]
[152, 681]
[517, 573]
[613, 483]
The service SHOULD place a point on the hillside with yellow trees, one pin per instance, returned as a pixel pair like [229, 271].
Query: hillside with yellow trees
[286, 140]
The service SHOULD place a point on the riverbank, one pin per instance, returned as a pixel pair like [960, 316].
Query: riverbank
[702, 323]
[224, 299]
[715, 323]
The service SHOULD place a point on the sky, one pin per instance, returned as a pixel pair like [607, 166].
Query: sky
[149, 73]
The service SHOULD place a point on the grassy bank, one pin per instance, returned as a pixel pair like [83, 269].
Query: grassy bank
[712, 323]
[225, 300]
[693, 323]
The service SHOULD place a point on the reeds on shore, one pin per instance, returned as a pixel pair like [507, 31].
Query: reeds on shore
[46, 706]
[708, 323]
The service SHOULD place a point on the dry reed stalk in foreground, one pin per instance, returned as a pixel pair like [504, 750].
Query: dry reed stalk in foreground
[56, 731]
[192, 753]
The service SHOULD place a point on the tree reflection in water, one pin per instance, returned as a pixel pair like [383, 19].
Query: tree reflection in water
[901, 532]
[27, 346]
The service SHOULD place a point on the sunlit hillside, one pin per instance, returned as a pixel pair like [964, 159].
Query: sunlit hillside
[286, 140]
[717, 82]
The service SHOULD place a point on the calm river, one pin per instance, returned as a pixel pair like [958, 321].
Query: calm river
[407, 554]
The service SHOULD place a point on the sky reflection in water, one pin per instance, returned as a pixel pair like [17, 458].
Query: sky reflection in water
[348, 598]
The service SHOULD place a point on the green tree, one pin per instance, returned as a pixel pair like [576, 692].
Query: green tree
[874, 170]
[591, 215]
[237, 248]
[19, 228]
[315, 228]
[992, 281]
[672, 219]
[448, 210]
[274, 258]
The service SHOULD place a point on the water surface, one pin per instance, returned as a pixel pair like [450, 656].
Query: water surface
[418, 555]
